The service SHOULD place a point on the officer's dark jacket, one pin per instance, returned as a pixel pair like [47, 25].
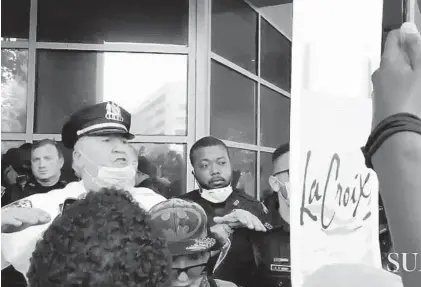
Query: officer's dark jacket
[32, 186]
[272, 249]
[239, 266]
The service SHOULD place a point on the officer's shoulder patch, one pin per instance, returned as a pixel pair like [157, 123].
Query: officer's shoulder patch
[23, 203]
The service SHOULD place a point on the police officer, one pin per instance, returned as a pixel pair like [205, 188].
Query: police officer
[46, 163]
[190, 249]
[231, 212]
[16, 171]
[99, 135]
[272, 248]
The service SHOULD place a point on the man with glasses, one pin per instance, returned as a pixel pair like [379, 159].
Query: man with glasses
[272, 248]
[184, 225]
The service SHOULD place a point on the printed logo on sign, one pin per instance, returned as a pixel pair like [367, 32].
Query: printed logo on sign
[113, 112]
[315, 198]
[410, 262]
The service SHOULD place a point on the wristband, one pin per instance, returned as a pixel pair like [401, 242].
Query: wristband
[402, 122]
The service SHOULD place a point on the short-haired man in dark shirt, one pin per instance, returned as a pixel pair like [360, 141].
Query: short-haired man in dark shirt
[273, 247]
[227, 209]
[46, 163]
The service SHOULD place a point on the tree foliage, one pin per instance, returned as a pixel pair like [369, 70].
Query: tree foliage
[14, 71]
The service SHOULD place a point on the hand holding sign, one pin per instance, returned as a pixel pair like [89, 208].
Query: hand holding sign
[15, 219]
[241, 218]
[396, 83]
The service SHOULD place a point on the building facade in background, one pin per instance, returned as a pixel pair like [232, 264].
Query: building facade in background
[183, 68]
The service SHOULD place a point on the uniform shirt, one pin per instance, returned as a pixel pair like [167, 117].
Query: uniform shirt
[32, 186]
[352, 275]
[239, 265]
[272, 249]
[17, 247]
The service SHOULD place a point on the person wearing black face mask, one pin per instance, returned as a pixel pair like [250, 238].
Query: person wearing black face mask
[232, 214]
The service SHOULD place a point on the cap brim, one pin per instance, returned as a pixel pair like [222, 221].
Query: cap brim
[191, 246]
[111, 131]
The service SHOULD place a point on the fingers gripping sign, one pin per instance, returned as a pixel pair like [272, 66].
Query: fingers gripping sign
[241, 218]
[396, 81]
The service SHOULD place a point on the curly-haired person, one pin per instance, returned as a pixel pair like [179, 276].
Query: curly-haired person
[105, 239]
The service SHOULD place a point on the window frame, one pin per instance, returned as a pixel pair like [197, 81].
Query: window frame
[204, 76]
[199, 55]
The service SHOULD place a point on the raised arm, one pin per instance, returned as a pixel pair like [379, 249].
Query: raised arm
[397, 88]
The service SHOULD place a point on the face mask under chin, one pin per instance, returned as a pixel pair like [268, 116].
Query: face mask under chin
[216, 195]
[108, 177]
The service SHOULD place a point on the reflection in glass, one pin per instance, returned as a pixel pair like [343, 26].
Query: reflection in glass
[152, 87]
[233, 113]
[14, 71]
[274, 118]
[244, 162]
[167, 164]
[14, 20]
[234, 32]
[265, 173]
[127, 21]
[275, 57]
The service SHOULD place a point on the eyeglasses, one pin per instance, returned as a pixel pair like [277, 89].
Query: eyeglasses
[192, 271]
[275, 180]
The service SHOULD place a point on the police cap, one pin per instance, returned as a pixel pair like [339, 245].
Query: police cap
[96, 120]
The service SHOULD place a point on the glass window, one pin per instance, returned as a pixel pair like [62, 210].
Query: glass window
[265, 173]
[14, 71]
[151, 87]
[275, 57]
[233, 113]
[14, 19]
[98, 21]
[234, 32]
[243, 163]
[274, 118]
[6, 145]
[167, 164]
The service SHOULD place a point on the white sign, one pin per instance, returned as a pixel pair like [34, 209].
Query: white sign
[336, 48]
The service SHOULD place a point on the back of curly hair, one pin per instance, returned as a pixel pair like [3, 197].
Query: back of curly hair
[105, 239]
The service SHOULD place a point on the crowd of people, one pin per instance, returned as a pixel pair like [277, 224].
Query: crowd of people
[114, 225]
[85, 231]
[41, 166]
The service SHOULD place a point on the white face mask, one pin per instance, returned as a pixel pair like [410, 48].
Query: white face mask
[217, 195]
[112, 177]
[281, 188]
